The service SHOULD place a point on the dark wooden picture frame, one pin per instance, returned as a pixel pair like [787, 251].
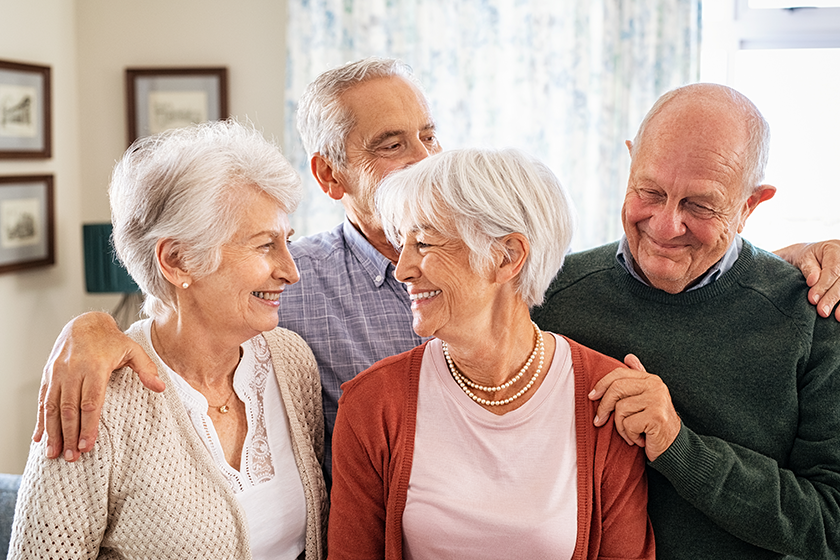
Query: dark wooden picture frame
[25, 111]
[27, 222]
[163, 98]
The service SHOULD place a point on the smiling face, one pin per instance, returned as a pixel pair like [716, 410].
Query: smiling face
[242, 295]
[447, 296]
[684, 202]
[393, 130]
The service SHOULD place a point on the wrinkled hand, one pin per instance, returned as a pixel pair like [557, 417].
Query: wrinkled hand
[73, 386]
[644, 414]
[820, 265]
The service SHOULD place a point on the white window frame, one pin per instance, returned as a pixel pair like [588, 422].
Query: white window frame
[786, 28]
[731, 25]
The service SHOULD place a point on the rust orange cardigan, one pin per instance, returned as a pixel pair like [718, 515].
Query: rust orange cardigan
[373, 445]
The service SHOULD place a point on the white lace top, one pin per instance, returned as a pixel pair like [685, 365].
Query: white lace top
[267, 484]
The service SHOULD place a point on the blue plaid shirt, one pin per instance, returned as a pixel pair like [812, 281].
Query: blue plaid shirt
[348, 307]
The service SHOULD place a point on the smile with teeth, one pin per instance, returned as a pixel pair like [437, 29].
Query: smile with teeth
[268, 296]
[423, 295]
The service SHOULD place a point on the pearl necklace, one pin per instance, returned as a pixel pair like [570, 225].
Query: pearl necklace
[465, 383]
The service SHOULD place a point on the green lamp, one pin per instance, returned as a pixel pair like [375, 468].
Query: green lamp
[103, 271]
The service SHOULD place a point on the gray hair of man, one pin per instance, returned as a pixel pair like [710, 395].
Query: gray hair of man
[758, 144]
[186, 185]
[480, 196]
[323, 121]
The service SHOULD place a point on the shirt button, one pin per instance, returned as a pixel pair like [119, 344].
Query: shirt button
[379, 278]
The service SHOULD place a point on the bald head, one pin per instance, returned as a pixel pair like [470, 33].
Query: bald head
[707, 109]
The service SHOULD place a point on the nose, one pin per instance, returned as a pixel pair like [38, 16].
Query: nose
[418, 151]
[284, 265]
[406, 270]
[667, 222]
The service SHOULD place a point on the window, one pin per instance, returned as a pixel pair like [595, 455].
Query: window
[788, 62]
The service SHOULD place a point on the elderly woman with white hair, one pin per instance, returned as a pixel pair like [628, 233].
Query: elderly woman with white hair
[480, 443]
[224, 463]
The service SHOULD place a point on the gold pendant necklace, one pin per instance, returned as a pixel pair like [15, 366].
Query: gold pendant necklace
[223, 408]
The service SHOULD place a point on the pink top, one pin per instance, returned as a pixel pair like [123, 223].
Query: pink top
[502, 487]
[373, 450]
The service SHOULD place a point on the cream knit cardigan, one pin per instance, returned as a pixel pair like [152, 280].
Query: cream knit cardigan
[149, 488]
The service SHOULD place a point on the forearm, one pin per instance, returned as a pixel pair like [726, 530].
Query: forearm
[749, 496]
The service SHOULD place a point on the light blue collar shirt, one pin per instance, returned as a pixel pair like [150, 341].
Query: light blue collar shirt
[625, 259]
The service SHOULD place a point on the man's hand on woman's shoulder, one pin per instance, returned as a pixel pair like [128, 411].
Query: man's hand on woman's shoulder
[72, 392]
[820, 264]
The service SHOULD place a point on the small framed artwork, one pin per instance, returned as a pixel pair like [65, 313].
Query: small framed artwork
[164, 98]
[27, 222]
[24, 111]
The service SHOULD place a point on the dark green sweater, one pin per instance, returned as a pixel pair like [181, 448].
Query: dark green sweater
[754, 374]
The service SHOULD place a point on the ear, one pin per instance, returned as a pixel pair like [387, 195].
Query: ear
[513, 259]
[762, 193]
[168, 259]
[629, 145]
[324, 172]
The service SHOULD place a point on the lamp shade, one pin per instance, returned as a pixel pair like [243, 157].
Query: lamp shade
[103, 271]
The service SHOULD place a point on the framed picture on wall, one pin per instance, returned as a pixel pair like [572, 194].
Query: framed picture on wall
[164, 98]
[27, 222]
[25, 127]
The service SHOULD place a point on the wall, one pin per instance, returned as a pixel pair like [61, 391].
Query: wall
[88, 44]
[246, 36]
[36, 303]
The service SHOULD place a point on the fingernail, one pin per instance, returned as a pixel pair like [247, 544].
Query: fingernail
[68, 455]
[597, 419]
[49, 452]
[591, 393]
[82, 444]
[816, 298]
[826, 310]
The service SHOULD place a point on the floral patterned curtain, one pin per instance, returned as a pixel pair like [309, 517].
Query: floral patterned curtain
[566, 80]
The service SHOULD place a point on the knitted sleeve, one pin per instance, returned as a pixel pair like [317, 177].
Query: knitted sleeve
[373, 445]
[62, 508]
[792, 508]
[360, 478]
[619, 526]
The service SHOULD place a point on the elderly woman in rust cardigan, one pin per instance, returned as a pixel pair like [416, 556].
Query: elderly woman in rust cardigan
[480, 443]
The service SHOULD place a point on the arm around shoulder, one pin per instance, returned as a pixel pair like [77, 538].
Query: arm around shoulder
[88, 349]
[820, 264]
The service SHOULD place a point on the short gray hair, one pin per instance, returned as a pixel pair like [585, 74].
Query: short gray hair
[185, 185]
[322, 120]
[758, 144]
[481, 196]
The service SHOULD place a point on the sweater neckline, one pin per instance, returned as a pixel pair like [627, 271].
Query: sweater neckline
[730, 278]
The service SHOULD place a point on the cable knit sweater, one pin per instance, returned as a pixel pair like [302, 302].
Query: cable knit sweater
[149, 488]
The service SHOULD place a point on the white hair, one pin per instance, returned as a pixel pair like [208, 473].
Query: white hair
[186, 185]
[480, 196]
[323, 121]
[758, 144]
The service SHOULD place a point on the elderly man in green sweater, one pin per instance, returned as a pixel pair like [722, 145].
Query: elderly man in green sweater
[741, 423]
